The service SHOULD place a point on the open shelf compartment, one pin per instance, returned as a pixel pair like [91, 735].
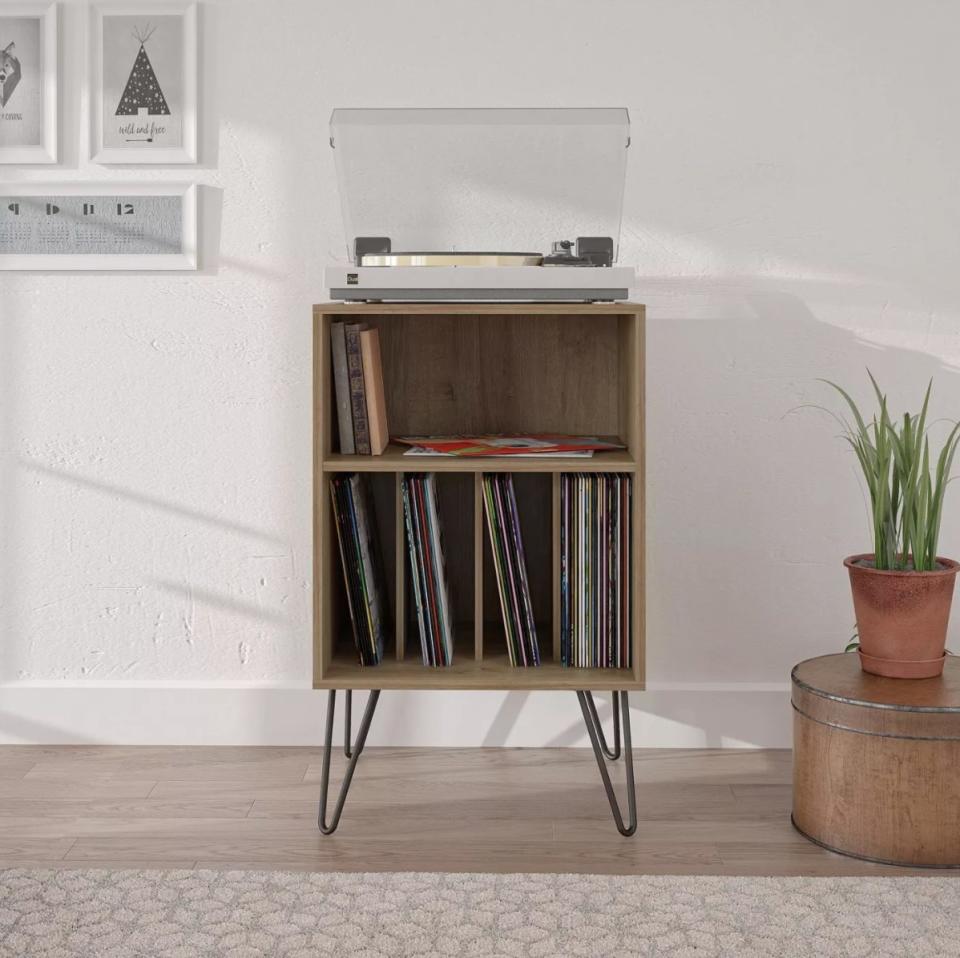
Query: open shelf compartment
[472, 369]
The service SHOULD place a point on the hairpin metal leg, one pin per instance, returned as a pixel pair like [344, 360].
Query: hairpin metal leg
[327, 828]
[611, 753]
[599, 751]
[347, 722]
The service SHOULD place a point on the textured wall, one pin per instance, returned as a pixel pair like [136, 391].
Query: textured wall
[791, 205]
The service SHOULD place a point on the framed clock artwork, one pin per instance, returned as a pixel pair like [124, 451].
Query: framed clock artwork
[98, 226]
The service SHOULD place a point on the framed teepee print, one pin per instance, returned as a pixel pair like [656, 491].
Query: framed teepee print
[28, 83]
[145, 83]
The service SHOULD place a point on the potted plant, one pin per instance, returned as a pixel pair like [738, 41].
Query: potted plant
[903, 590]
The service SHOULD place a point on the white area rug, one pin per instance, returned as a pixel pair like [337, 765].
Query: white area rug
[242, 914]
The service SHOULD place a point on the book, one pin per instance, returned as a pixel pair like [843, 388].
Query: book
[373, 387]
[358, 397]
[355, 523]
[428, 579]
[341, 380]
[531, 444]
[510, 566]
[596, 598]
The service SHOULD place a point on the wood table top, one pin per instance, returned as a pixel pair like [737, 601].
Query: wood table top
[840, 678]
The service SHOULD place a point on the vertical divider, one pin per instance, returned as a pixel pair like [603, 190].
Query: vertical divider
[555, 537]
[400, 554]
[478, 534]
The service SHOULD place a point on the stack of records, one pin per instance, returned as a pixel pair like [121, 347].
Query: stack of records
[360, 557]
[506, 545]
[595, 571]
[431, 598]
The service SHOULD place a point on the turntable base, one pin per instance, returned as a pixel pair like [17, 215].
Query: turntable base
[492, 284]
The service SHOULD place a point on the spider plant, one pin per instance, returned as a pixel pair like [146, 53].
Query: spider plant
[905, 482]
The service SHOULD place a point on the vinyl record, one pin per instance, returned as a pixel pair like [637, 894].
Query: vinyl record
[451, 259]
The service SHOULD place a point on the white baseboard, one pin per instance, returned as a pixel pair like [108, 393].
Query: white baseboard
[728, 716]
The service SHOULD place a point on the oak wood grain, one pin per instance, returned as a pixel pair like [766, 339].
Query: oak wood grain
[840, 676]
[345, 310]
[76, 787]
[16, 849]
[393, 459]
[468, 368]
[877, 761]
[80, 808]
[701, 811]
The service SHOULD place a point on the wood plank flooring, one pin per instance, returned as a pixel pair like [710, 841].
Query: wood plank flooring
[723, 812]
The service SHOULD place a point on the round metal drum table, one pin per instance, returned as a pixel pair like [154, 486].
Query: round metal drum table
[876, 766]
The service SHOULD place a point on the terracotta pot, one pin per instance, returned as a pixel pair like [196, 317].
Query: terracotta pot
[902, 617]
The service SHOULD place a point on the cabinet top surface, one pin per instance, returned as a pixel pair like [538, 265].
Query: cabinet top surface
[480, 309]
[840, 677]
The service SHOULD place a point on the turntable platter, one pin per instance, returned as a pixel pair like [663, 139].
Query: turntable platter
[452, 259]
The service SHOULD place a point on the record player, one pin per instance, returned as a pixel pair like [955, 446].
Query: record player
[508, 205]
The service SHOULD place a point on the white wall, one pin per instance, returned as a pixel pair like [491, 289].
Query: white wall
[792, 206]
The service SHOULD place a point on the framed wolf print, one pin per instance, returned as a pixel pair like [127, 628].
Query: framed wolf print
[28, 83]
[144, 104]
[81, 226]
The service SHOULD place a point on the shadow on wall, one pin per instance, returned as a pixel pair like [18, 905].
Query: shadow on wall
[761, 340]
[192, 594]
[745, 313]
[11, 624]
[16, 727]
[755, 491]
[32, 424]
[152, 502]
[695, 718]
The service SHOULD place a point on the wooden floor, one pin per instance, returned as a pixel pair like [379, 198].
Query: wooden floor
[490, 810]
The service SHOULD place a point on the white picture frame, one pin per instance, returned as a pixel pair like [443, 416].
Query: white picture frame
[184, 259]
[41, 80]
[133, 138]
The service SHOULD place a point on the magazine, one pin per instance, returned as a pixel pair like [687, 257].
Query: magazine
[531, 444]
